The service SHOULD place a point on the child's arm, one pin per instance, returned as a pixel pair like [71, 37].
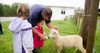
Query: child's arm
[38, 33]
[15, 25]
[28, 39]
[50, 26]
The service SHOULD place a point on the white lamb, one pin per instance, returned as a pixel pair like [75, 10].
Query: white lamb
[66, 41]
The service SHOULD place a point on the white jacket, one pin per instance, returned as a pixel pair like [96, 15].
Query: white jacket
[22, 35]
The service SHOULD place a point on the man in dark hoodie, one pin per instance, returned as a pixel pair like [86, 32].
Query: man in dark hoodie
[37, 13]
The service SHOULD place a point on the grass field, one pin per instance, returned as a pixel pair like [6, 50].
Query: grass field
[65, 27]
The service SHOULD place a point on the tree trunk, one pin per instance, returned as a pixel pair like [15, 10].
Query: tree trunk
[89, 24]
[85, 23]
[92, 25]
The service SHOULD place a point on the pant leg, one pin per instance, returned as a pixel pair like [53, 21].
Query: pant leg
[23, 50]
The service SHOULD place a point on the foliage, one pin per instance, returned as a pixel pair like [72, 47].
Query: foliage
[8, 10]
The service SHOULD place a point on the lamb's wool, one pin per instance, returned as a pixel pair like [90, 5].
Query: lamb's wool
[66, 41]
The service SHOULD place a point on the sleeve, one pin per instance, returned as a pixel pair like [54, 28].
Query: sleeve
[32, 21]
[15, 25]
[28, 39]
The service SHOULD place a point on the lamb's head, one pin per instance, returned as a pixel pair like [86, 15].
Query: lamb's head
[53, 33]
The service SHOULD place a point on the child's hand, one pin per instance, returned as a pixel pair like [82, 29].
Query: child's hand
[42, 37]
[46, 37]
[30, 52]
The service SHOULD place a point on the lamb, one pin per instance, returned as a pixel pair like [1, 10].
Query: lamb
[66, 41]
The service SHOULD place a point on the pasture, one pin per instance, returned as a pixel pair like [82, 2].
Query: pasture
[65, 27]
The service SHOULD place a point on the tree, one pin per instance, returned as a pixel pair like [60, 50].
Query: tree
[1, 9]
[14, 9]
[89, 24]
[6, 10]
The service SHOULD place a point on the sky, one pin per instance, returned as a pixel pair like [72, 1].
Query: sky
[69, 3]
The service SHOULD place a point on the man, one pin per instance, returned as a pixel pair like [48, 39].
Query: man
[39, 12]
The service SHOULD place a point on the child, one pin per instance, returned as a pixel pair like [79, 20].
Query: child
[38, 42]
[22, 31]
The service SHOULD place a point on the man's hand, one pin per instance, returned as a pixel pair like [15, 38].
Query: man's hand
[49, 25]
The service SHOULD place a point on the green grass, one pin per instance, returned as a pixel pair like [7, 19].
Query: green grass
[98, 17]
[65, 27]
[6, 39]
[97, 39]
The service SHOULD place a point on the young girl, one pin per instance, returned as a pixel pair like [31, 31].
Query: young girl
[22, 31]
[38, 42]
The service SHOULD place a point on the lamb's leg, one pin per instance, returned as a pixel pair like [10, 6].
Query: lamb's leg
[79, 45]
[59, 49]
[81, 48]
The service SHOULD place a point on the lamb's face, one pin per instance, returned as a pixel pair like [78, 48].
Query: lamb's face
[54, 33]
